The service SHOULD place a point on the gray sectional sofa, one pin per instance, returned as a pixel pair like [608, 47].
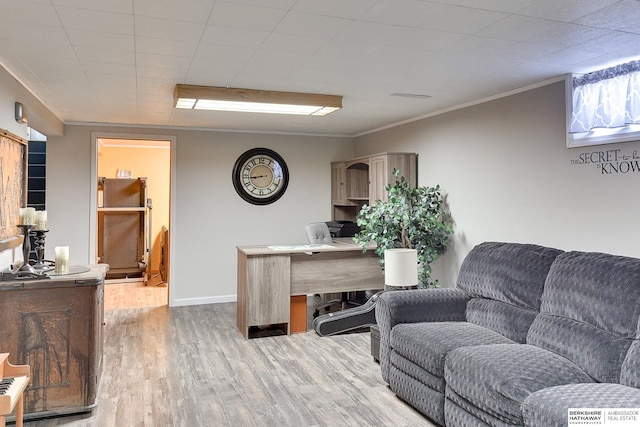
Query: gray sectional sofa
[528, 332]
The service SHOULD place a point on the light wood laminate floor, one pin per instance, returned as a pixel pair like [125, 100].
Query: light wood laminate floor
[189, 366]
[133, 293]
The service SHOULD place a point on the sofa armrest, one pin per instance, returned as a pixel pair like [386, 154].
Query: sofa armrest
[414, 306]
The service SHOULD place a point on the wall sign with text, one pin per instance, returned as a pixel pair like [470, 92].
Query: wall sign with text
[610, 162]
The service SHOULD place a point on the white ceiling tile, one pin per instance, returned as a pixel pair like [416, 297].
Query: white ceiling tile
[353, 9]
[534, 30]
[180, 63]
[294, 44]
[212, 72]
[566, 10]
[462, 20]
[158, 101]
[36, 34]
[57, 68]
[151, 86]
[337, 49]
[95, 67]
[237, 15]
[476, 46]
[307, 24]
[212, 53]
[98, 21]
[165, 47]
[280, 4]
[175, 73]
[623, 16]
[234, 37]
[116, 6]
[508, 6]
[196, 11]
[405, 13]
[108, 57]
[615, 41]
[19, 12]
[256, 79]
[390, 35]
[96, 40]
[276, 58]
[568, 57]
[168, 29]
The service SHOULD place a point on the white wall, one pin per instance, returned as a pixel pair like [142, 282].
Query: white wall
[508, 177]
[210, 218]
[503, 166]
[11, 91]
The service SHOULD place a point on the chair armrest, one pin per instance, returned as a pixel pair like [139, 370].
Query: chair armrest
[414, 306]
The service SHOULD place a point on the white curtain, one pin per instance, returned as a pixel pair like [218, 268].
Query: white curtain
[607, 98]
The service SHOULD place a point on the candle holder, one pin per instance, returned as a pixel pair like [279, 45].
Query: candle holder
[38, 242]
[26, 248]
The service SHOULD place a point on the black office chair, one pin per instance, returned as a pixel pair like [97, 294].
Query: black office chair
[318, 233]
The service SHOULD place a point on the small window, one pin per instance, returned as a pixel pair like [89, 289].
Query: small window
[604, 106]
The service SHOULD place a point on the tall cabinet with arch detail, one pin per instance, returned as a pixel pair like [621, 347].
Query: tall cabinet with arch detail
[362, 180]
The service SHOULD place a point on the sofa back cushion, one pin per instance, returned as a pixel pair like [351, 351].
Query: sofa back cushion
[505, 281]
[589, 311]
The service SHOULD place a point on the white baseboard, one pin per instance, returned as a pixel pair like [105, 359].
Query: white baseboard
[179, 302]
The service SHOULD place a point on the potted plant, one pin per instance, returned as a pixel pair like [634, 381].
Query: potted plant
[412, 217]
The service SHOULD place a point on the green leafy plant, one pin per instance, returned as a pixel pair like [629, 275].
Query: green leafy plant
[412, 217]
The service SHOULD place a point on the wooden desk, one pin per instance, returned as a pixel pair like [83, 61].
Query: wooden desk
[268, 276]
[55, 326]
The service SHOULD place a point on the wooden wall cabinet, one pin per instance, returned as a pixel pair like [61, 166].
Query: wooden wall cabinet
[361, 181]
[56, 327]
[339, 183]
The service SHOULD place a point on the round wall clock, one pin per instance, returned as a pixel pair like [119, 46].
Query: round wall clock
[260, 176]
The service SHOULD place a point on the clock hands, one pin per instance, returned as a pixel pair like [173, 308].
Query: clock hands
[259, 176]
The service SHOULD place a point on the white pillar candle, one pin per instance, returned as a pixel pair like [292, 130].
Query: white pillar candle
[62, 259]
[27, 216]
[41, 220]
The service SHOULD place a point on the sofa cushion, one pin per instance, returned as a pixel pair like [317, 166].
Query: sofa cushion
[513, 273]
[589, 311]
[508, 320]
[427, 344]
[496, 379]
[630, 373]
[506, 281]
[549, 406]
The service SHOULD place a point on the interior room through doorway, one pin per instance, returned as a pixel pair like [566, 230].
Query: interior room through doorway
[133, 226]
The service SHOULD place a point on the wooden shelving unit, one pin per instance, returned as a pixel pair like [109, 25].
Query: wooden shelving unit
[123, 224]
[361, 181]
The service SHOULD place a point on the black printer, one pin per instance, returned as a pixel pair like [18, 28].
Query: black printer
[343, 228]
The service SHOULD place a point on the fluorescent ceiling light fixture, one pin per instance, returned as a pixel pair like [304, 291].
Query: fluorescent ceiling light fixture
[254, 101]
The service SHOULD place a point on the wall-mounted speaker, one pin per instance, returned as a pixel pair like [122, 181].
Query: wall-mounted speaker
[21, 113]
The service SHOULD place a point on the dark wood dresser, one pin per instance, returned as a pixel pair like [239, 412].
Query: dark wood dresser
[56, 327]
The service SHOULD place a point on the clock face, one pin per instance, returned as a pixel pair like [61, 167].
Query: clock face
[260, 176]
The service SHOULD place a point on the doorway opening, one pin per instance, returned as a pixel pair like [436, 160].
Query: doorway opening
[133, 205]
